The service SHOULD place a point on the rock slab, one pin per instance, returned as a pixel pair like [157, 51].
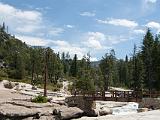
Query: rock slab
[12, 112]
[66, 113]
[105, 111]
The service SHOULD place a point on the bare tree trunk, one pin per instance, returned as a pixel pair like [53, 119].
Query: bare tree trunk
[46, 72]
[33, 69]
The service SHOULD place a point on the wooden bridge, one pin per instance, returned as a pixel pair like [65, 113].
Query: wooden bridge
[119, 96]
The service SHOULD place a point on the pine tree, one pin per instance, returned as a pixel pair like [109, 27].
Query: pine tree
[156, 61]
[19, 66]
[147, 50]
[3, 26]
[85, 82]
[126, 79]
[138, 71]
[46, 60]
[73, 69]
[32, 66]
[106, 66]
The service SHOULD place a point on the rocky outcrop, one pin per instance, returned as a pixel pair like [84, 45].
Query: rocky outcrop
[41, 118]
[60, 102]
[66, 113]
[32, 105]
[87, 105]
[12, 112]
[8, 84]
[105, 111]
[20, 110]
[91, 112]
[47, 118]
[142, 110]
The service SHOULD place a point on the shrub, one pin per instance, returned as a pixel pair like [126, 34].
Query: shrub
[54, 89]
[3, 74]
[39, 99]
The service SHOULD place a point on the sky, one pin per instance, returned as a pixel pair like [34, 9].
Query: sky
[82, 26]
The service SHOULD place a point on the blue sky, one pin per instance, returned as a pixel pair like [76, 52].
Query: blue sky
[81, 26]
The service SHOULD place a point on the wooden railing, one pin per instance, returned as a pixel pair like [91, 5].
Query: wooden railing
[123, 96]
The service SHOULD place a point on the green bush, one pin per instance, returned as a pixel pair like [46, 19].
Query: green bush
[39, 99]
[3, 74]
[54, 89]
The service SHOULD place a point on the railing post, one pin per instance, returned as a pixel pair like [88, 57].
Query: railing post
[103, 95]
[127, 96]
[116, 95]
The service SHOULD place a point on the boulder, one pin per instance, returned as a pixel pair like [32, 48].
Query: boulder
[45, 111]
[85, 104]
[142, 110]
[34, 87]
[105, 111]
[8, 84]
[65, 113]
[91, 112]
[60, 102]
[16, 112]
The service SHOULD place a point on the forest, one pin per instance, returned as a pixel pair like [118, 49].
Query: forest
[21, 62]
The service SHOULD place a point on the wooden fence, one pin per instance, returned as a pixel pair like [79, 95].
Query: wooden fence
[121, 96]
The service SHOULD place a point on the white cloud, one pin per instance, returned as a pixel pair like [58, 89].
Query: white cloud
[26, 21]
[93, 44]
[119, 22]
[56, 45]
[96, 36]
[61, 43]
[94, 40]
[31, 16]
[89, 14]
[138, 31]
[99, 41]
[69, 26]
[27, 28]
[154, 25]
[34, 41]
[64, 46]
[17, 19]
[56, 31]
[115, 39]
[93, 59]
